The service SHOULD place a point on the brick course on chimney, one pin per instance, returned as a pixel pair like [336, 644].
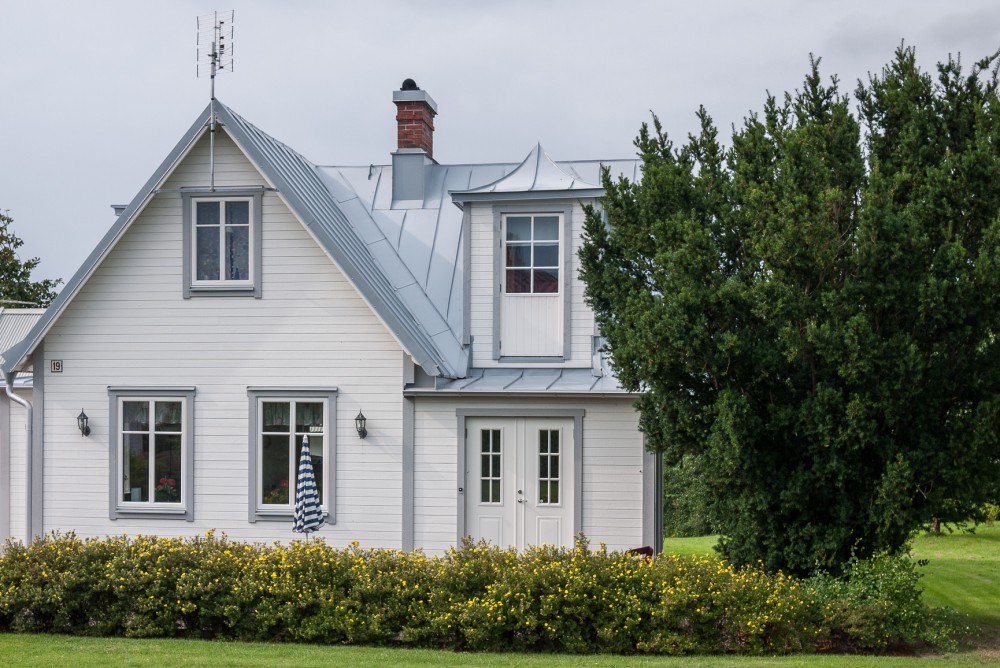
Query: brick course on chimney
[415, 111]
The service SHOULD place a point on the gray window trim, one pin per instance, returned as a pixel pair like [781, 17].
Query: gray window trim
[256, 195]
[566, 242]
[253, 395]
[186, 512]
[462, 415]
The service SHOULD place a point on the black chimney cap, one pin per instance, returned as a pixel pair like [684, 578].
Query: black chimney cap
[409, 84]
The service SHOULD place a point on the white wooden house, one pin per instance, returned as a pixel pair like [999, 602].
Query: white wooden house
[247, 297]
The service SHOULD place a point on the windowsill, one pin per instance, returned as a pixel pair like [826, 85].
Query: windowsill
[240, 290]
[129, 511]
[283, 516]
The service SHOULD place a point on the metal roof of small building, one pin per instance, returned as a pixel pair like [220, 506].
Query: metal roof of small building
[15, 323]
[530, 381]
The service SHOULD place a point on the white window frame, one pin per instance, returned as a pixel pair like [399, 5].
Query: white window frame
[531, 244]
[184, 507]
[260, 511]
[221, 286]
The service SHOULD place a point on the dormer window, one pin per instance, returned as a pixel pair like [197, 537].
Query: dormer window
[532, 254]
[222, 238]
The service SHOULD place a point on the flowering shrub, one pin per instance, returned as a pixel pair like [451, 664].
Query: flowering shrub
[473, 598]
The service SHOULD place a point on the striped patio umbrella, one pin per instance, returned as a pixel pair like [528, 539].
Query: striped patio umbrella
[308, 515]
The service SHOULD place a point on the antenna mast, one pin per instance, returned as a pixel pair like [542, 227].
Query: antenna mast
[215, 52]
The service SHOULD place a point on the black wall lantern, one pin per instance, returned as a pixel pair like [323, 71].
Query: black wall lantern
[81, 423]
[359, 423]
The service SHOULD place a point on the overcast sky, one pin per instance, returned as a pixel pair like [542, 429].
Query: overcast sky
[93, 95]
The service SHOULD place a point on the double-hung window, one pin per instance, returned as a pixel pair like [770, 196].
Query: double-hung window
[222, 240]
[151, 462]
[532, 254]
[281, 420]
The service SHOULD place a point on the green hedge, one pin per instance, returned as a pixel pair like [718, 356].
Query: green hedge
[473, 598]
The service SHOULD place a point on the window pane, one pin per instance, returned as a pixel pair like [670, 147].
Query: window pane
[316, 452]
[168, 416]
[167, 468]
[518, 280]
[309, 418]
[207, 254]
[554, 491]
[207, 213]
[543, 466]
[546, 255]
[543, 492]
[135, 415]
[237, 213]
[275, 417]
[484, 492]
[519, 256]
[518, 228]
[546, 280]
[547, 228]
[135, 465]
[274, 470]
[237, 253]
[554, 441]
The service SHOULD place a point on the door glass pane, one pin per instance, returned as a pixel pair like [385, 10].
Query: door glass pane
[167, 468]
[519, 255]
[546, 228]
[546, 280]
[518, 280]
[489, 466]
[518, 228]
[547, 255]
[548, 466]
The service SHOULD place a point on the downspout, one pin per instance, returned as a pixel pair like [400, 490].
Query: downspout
[28, 422]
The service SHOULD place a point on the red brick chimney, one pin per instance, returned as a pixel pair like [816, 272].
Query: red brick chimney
[415, 112]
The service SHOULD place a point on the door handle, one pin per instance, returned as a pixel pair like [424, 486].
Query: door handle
[520, 496]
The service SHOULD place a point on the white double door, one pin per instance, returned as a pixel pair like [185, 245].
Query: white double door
[519, 481]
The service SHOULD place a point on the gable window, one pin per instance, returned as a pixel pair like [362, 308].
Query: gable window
[531, 254]
[281, 420]
[151, 465]
[222, 236]
[222, 240]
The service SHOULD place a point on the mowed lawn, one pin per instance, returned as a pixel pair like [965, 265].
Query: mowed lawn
[963, 573]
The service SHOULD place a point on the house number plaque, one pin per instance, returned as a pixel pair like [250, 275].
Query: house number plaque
[55, 366]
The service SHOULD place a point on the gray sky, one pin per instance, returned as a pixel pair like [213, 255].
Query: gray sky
[93, 95]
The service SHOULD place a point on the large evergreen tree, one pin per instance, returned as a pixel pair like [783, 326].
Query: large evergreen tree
[813, 312]
[16, 287]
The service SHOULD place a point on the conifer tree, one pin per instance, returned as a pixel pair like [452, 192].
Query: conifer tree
[813, 311]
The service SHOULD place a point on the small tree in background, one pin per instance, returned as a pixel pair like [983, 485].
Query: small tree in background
[16, 287]
[814, 312]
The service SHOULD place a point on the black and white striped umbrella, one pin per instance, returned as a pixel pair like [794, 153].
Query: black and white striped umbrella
[308, 513]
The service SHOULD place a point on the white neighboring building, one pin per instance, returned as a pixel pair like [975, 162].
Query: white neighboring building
[247, 297]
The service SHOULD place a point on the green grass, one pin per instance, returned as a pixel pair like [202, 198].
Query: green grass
[963, 573]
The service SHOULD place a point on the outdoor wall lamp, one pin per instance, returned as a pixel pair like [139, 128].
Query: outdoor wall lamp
[82, 423]
[359, 424]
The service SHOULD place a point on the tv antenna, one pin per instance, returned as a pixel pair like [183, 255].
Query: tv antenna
[215, 52]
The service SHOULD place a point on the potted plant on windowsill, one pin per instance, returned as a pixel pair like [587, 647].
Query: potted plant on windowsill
[167, 491]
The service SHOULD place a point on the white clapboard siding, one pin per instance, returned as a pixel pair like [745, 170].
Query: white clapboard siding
[484, 251]
[612, 468]
[130, 326]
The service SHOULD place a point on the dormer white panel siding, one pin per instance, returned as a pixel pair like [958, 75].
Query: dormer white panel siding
[537, 333]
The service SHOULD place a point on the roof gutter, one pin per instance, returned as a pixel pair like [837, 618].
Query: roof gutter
[9, 388]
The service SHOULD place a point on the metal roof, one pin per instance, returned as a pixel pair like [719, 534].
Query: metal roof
[15, 323]
[406, 262]
[507, 381]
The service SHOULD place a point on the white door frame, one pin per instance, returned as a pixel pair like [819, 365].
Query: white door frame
[577, 484]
